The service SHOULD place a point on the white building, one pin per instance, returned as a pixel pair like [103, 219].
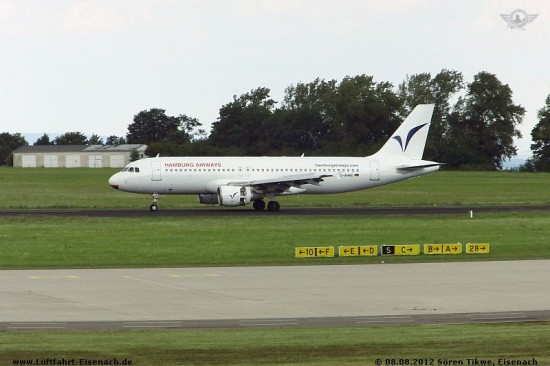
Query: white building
[76, 156]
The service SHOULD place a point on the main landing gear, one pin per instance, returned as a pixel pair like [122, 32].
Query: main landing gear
[272, 206]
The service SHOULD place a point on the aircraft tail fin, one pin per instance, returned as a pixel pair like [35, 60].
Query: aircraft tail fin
[409, 139]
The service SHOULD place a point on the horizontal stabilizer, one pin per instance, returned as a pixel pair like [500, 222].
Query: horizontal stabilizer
[420, 164]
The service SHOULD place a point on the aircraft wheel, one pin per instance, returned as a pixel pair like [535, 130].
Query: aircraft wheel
[259, 205]
[273, 206]
[153, 207]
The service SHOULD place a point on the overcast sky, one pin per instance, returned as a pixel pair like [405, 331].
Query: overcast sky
[91, 65]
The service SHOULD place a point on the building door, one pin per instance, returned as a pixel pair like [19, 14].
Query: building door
[50, 161]
[95, 161]
[28, 161]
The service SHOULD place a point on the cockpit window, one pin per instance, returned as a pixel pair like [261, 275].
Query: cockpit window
[130, 169]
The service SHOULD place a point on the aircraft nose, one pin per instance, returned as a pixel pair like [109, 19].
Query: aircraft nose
[114, 181]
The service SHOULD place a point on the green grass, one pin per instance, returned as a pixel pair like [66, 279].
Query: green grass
[76, 242]
[292, 346]
[88, 188]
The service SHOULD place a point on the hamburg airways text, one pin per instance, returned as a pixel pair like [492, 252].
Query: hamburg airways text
[192, 165]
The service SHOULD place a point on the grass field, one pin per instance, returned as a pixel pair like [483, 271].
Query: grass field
[394, 345]
[88, 188]
[77, 242]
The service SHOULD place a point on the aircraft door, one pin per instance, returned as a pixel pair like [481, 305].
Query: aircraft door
[374, 171]
[156, 171]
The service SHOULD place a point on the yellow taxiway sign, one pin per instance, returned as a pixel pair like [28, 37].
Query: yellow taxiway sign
[358, 251]
[477, 248]
[314, 252]
[405, 249]
[431, 249]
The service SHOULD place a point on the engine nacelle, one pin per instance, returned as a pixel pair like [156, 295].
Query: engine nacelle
[208, 199]
[234, 195]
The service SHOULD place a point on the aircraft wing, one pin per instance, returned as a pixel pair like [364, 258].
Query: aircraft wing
[281, 184]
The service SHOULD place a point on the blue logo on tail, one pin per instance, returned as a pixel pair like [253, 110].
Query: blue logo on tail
[410, 135]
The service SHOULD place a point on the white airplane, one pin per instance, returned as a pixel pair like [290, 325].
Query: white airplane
[237, 181]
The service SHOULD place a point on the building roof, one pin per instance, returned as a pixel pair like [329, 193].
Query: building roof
[50, 149]
[124, 147]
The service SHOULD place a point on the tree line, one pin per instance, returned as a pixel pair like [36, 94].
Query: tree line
[473, 127]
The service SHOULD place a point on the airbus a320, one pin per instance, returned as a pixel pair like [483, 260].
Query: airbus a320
[238, 181]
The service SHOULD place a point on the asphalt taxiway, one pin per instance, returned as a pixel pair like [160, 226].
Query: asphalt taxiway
[221, 297]
[285, 211]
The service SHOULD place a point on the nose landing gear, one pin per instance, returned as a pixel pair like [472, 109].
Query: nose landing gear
[154, 206]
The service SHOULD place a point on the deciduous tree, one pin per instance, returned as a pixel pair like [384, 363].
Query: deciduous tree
[486, 122]
[71, 138]
[541, 139]
[8, 143]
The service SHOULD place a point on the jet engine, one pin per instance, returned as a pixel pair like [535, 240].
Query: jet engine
[234, 195]
[208, 198]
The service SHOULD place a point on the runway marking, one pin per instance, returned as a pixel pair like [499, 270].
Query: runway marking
[34, 328]
[53, 277]
[210, 294]
[197, 292]
[153, 324]
[160, 284]
[193, 276]
[268, 322]
[39, 323]
[36, 325]
[453, 318]
[396, 321]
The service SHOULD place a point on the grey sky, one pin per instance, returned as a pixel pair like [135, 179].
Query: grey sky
[90, 65]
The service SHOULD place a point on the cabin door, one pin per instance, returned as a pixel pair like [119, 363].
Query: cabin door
[374, 171]
[156, 171]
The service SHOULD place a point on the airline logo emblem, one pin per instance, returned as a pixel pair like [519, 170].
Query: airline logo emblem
[518, 19]
[410, 135]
